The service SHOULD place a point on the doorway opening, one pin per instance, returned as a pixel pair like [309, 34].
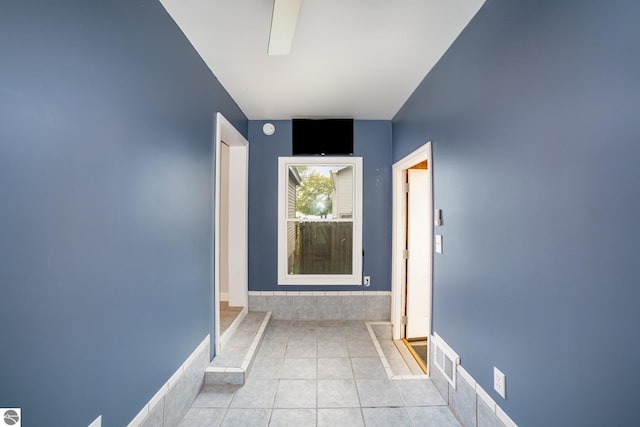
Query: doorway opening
[230, 231]
[413, 252]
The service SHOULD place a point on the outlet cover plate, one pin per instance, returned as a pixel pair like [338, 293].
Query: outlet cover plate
[499, 382]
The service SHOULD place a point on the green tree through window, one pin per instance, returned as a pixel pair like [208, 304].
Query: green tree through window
[313, 193]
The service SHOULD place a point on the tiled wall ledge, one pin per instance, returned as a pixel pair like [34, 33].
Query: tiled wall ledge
[169, 405]
[323, 305]
[469, 402]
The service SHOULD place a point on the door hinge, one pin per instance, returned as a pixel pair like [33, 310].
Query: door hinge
[405, 254]
[406, 187]
[404, 320]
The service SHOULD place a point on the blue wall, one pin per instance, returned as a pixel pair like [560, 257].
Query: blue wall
[533, 114]
[106, 124]
[372, 142]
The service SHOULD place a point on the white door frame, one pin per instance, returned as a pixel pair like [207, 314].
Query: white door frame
[237, 246]
[399, 238]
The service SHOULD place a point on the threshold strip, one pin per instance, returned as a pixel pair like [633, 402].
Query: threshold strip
[415, 355]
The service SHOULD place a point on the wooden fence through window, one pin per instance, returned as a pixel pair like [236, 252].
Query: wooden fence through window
[324, 248]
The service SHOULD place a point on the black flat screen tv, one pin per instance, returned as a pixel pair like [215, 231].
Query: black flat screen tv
[322, 137]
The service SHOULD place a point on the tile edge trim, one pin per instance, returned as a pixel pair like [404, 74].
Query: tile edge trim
[479, 391]
[164, 389]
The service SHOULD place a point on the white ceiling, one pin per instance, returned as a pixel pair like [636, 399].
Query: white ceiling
[350, 58]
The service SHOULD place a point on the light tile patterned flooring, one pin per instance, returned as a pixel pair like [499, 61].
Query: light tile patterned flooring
[319, 374]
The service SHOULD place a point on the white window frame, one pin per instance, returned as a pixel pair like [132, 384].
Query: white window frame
[284, 278]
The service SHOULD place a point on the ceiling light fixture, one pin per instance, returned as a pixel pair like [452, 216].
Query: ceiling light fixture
[283, 26]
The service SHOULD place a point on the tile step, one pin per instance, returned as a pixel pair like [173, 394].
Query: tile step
[233, 370]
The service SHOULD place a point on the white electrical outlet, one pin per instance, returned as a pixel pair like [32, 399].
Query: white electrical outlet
[500, 382]
[367, 280]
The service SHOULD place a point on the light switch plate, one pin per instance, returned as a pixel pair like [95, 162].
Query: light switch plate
[438, 243]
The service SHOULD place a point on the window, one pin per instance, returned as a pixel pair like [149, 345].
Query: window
[320, 221]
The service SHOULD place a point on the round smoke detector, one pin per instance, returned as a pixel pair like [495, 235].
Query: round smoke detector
[268, 128]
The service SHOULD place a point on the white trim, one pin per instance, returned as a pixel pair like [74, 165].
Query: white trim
[97, 422]
[502, 416]
[204, 346]
[320, 279]
[399, 236]
[466, 376]
[161, 392]
[238, 222]
[484, 396]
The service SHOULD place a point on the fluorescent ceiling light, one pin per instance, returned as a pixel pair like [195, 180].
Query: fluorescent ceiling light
[283, 26]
